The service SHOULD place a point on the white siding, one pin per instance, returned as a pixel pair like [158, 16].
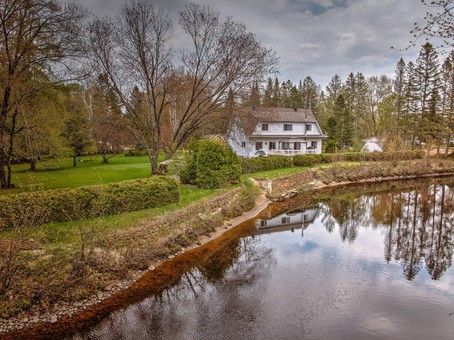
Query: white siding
[278, 129]
[236, 137]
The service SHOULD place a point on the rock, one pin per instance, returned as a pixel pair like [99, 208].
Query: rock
[54, 319]
[151, 268]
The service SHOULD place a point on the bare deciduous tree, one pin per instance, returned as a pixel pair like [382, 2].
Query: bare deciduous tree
[135, 55]
[438, 22]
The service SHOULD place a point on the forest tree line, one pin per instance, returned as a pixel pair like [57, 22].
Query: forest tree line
[412, 110]
[72, 84]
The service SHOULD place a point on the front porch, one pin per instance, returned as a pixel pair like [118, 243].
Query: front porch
[290, 152]
[289, 147]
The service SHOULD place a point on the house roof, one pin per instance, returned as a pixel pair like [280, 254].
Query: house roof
[250, 118]
[286, 115]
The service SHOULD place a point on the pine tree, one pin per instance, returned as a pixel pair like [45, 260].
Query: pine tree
[309, 94]
[295, 99]
[230, 103]
[411, 103]
[427, 70]
[399, 91]
[254, 97]
[334, 88]
[277, 97]
[268, 94]
[359, 103]
[344, 131]
[448, 99]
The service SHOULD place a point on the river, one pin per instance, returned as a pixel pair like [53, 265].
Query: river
[348, 263]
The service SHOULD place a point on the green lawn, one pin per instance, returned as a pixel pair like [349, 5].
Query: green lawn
[59, 173]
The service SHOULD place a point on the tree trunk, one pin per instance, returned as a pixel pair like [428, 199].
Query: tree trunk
[105, 159]
[32, 164]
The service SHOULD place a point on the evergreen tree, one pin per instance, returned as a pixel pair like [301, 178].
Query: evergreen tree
[399, 91]
[295, 99]
[428, 76]
[277, 97]
[254, 96]
[344, 123]
[359, 104]
[310, 94]
[411, 103]
[334, 88]
[268, 94]
[448, 99]
[230, 103]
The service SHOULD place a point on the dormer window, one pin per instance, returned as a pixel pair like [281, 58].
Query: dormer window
[264, 127]
[288, 127]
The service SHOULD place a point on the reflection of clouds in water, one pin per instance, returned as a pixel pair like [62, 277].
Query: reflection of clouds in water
[310, 283]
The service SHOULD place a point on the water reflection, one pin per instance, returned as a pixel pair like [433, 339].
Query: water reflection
[419, 224]
[330, 268]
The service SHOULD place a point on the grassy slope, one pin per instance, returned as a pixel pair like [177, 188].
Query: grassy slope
[54, 174]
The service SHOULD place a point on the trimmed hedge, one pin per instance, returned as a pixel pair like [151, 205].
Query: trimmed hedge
[310, 160]
[250, 165]
[41, 207]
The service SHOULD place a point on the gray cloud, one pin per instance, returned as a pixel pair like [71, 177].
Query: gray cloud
[316, 38]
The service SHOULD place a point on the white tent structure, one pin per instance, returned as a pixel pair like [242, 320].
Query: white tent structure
[371, 147]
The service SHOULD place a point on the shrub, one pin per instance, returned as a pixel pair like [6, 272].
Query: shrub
[311, 160]
[250, 165]
[211, 165]
[91, 201]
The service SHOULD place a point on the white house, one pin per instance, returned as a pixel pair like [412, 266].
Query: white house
[296, 219]
[276, 131]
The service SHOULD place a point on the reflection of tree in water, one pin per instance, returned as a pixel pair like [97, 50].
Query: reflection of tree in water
[240, 261]
[239, 265]
[420, 224]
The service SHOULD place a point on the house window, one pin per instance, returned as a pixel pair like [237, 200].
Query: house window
[288, 127]
[272, 145]
[285, 145]
[313, 145]
[308, 127]
[265, 127]
[263, 223]
[285, 220]
[297, 146]
[243, 144]
[258, 145]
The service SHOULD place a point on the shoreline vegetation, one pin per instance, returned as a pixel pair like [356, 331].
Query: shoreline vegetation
[64, 268]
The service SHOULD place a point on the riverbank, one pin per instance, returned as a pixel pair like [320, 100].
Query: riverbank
[171, 234]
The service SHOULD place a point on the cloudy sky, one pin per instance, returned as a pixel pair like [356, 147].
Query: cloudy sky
[316, 38]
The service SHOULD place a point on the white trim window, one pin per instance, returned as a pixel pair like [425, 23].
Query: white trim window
[288, 127]
[258, 145]
[264, 127]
